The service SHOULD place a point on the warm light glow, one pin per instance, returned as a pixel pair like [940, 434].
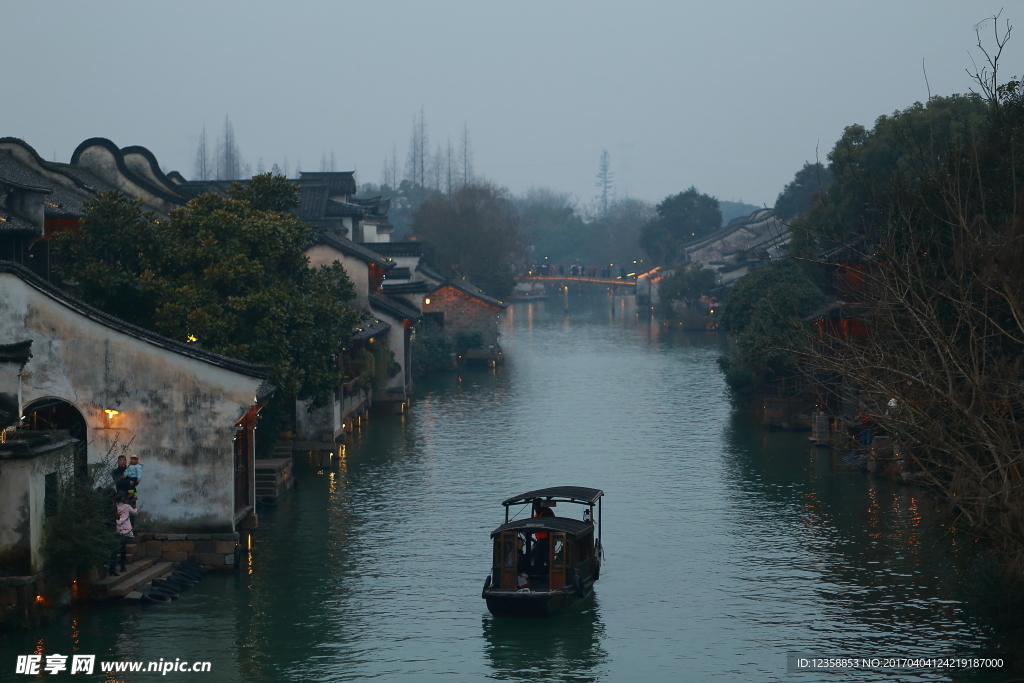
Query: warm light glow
[191, 338]
[39, 598]
[427, 301]
[371, 340]
[111, 413]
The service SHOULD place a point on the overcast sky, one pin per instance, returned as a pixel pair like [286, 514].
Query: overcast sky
[731, 97]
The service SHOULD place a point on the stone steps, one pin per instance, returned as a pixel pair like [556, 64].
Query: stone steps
[131, 569]
[142, 578]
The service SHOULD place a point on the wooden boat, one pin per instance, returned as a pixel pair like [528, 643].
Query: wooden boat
[544, 563]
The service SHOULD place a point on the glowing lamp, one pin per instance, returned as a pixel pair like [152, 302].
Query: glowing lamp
[111, 413]
[427, 301]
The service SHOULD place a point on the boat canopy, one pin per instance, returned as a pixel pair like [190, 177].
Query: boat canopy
[533, 524]
[571, 494]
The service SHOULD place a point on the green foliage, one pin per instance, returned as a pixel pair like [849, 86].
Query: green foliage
[473, 234]
[431, 350]
[405, 200]
[384, 364]
[222, 271]
[81, 533]
[764, 313]
[468, 340]
[731, 210]
[682, 218]
[556, 232]
[688, 283]
[796, 197]
[870, 168]
[267, 192]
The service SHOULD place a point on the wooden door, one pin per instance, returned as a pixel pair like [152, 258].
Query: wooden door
[559, 550]
[508, 559]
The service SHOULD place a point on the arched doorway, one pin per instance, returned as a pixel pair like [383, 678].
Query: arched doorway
[56, 413]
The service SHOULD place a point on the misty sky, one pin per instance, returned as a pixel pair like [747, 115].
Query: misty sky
[731, 97]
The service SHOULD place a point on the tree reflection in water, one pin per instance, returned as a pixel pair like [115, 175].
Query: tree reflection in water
[563, 647]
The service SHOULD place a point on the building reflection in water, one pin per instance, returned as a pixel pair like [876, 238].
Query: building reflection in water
[563, 647]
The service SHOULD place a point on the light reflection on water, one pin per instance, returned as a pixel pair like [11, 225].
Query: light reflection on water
[727, 546]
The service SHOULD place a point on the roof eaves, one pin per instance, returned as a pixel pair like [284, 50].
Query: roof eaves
[107, 320]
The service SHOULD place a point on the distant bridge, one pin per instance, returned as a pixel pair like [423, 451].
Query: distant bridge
[609, 281]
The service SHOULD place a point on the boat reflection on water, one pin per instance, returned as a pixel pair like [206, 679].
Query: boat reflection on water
[563, 647]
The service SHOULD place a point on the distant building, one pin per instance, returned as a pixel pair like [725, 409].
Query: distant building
[741, 246]
[459, 306]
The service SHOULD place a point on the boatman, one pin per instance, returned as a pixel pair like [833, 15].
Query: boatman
[540, 548]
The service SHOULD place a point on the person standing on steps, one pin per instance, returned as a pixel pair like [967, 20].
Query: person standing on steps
[125, 512]
[118, 474]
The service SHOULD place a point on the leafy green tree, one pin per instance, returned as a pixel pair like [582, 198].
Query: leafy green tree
[557, 233]
[406, 198]
[687, 284]
[731, 210]
[228, 272]
[763, 313]
[682, 218]
[796, 197]
[871, 167]
[432, 349]
[472, 234]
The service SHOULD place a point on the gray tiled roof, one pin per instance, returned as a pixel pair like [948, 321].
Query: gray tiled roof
[312, 200]
[369, 329]
[374, 206]
[11, 223]
[418, 287]
[61, 203]
[335, 207]
[429, 273]
[347, 246]
[469, 289]
[338, 182]
[91, 180]
[395, 307]
[408, 248]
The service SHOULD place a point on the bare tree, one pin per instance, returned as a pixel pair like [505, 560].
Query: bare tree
[939, 361]
[327, 163]
[204, 165]
[417, 162]
[448, 168]
[435, 174]
[604, 183]
[466, 157]
[229, 160]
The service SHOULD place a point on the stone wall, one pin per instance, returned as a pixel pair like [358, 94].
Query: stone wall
[218, 551]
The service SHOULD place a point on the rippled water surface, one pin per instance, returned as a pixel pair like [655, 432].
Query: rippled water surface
[727, 546]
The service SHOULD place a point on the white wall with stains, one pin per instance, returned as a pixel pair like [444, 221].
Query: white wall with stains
[176, 409]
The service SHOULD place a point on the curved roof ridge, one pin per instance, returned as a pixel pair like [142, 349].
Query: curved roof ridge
[43, 163]
[154, 165]
[145, 184]
[96, 315]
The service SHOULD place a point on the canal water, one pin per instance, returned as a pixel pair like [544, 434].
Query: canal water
[727, 546]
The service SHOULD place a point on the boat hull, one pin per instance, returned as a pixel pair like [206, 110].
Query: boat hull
[532, 603]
